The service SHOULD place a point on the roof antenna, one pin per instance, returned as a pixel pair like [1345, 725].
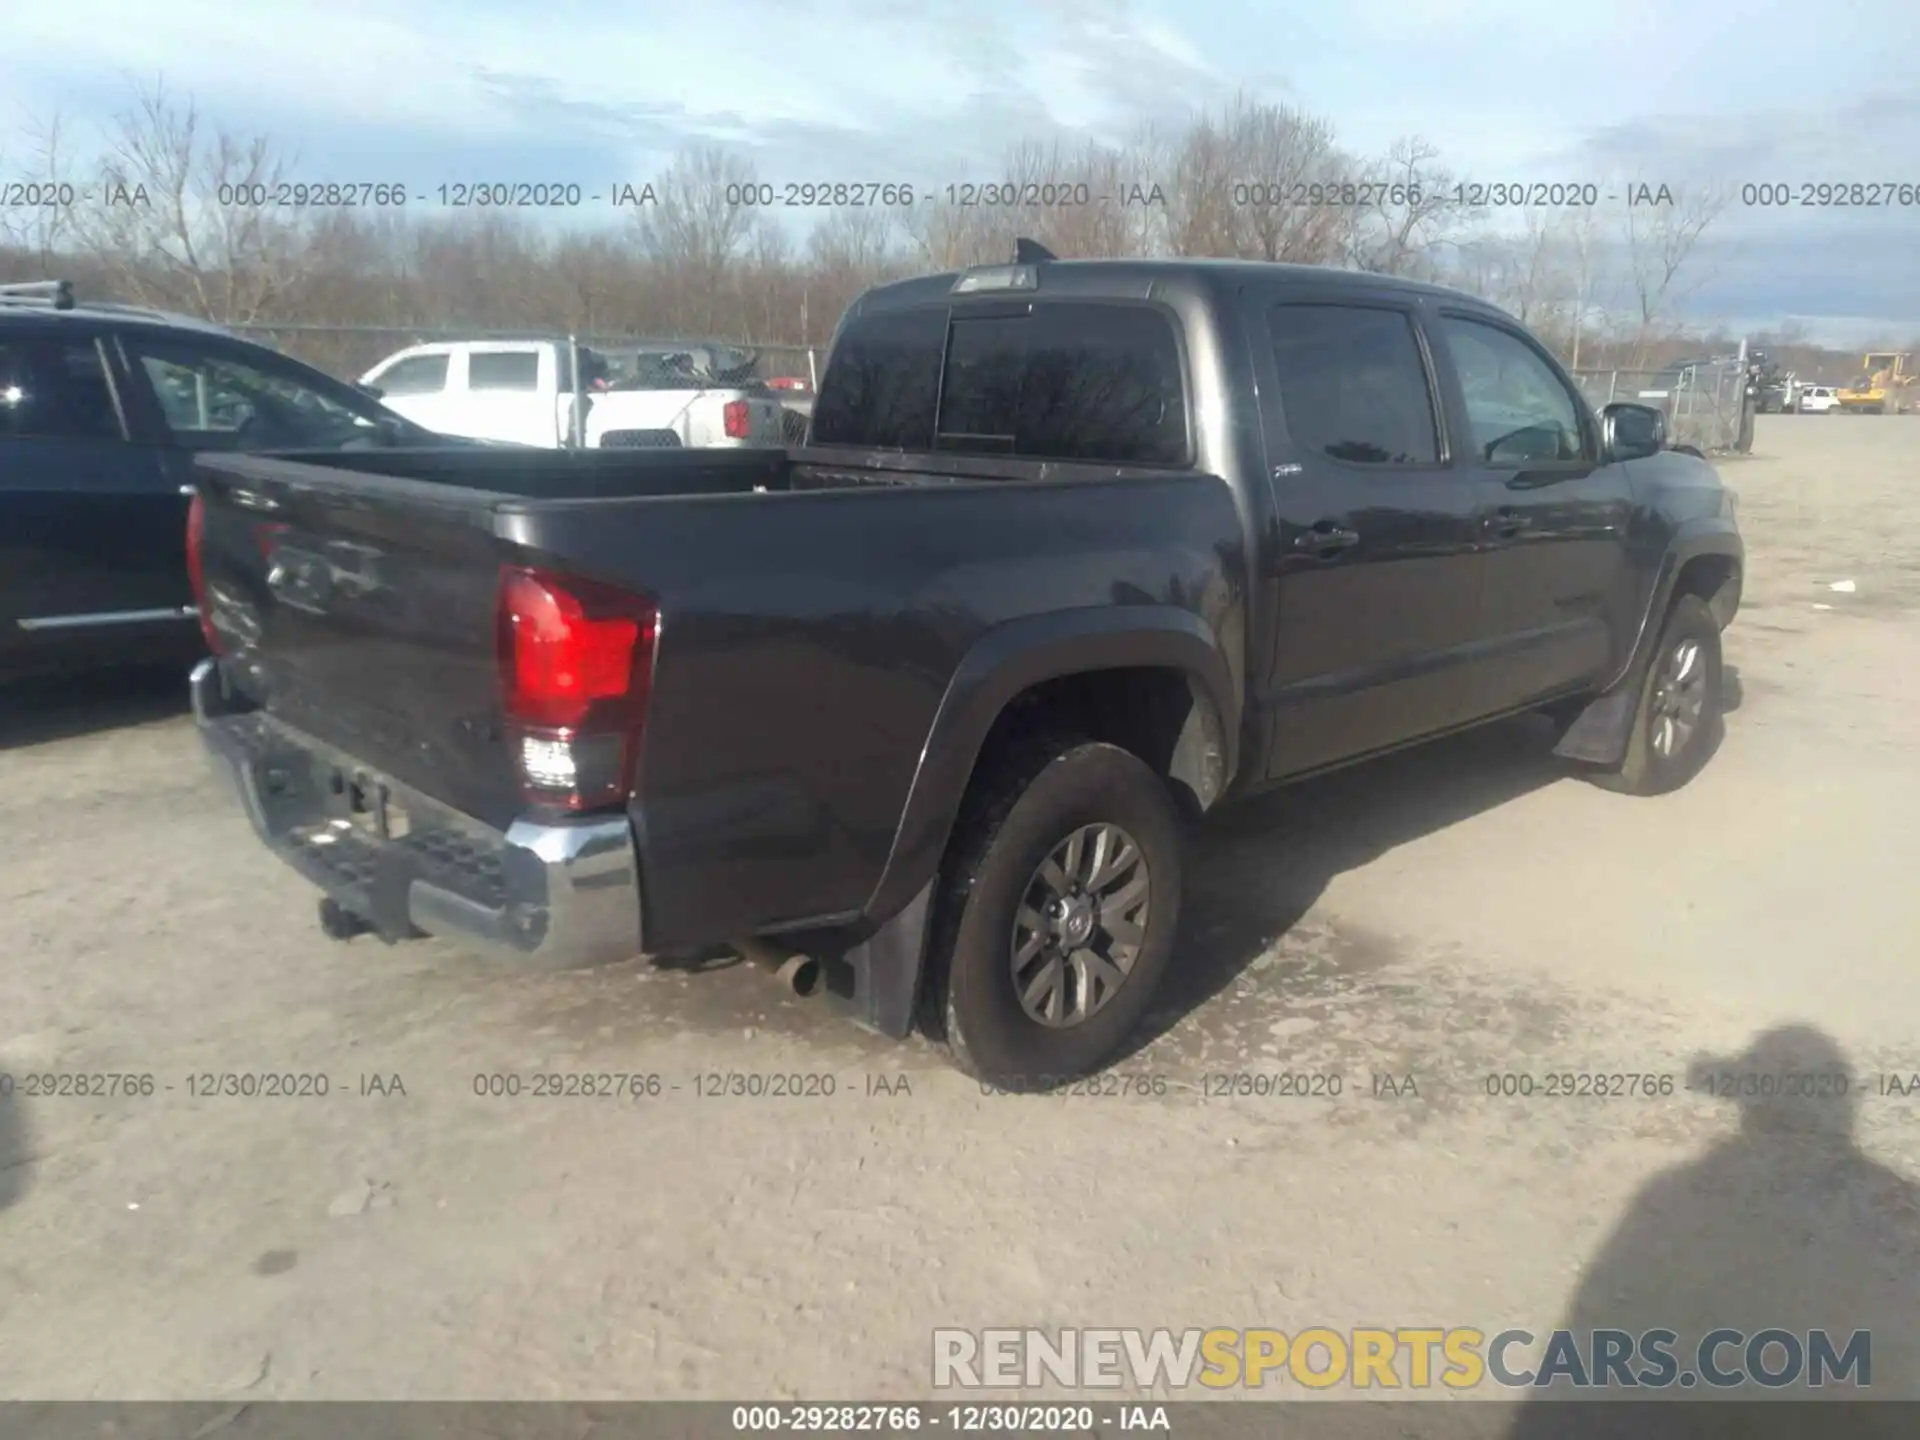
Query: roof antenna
[1031, 252]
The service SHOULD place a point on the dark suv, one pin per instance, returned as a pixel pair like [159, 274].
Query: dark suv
[102, 408]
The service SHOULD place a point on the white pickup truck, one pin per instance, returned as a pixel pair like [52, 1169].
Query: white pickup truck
[525, 392]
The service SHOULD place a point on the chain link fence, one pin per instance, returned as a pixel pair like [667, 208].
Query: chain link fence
[1705, 402]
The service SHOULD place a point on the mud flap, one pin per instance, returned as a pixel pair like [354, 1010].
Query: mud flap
[876, 982]
[1599, 735]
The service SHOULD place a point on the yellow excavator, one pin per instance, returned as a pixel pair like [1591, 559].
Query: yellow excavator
[1885, 386]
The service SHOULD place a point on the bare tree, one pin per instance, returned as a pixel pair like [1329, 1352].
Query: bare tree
[701, 222]
[183, 215]
[859, 240]
[1094, 201]
[1284, 163]
[40, 226]
[1585, 280]
[1661, 238]
[1409, 212]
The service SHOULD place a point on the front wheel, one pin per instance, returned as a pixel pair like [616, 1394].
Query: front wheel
[1057, 922]
[1677, 722]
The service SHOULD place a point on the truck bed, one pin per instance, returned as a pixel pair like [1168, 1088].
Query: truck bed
[818, 614]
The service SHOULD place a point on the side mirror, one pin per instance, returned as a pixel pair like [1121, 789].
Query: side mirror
[1632, 432]
[365, 389]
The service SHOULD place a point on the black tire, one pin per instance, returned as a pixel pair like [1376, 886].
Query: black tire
[1648, 769]
[1034, 797]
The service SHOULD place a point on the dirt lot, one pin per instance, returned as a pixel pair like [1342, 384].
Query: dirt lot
[1449, 915]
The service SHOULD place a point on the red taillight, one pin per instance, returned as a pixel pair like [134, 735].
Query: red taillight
[197, 568]
[738, 421]
[560, 660]
[576, 669]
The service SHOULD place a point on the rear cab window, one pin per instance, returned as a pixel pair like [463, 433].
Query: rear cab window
[1088, 381]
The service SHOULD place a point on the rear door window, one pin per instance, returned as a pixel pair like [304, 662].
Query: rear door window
[1353, 384]
[503, 370]
[56, 390]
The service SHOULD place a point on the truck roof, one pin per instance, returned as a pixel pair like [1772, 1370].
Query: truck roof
[1118, 279]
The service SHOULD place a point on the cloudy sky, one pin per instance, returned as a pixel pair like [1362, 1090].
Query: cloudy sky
[932, 91]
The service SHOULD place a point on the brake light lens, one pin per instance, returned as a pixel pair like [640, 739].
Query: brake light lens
[561, 659]
[197, 569]
[576, 671]
[738, 420]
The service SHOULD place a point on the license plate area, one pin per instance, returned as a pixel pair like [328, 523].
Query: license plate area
[367, 804]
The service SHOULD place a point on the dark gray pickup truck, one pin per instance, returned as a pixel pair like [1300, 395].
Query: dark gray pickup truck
[1076, 550]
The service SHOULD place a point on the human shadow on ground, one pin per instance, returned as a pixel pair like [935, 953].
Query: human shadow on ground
[1785, 1226]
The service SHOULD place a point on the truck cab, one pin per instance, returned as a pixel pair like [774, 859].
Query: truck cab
[516, 392]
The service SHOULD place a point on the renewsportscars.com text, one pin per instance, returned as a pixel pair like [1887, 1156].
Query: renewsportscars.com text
[1403, 1358]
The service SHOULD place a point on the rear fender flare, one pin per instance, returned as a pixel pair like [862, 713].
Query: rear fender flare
[1011, 659]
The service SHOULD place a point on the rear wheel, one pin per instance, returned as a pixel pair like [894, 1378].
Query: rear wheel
[1678, 719]
[1057, 919]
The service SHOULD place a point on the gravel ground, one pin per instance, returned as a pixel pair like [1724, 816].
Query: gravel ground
[1444, 916]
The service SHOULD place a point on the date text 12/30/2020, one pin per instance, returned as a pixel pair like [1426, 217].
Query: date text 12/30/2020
[896, 1419]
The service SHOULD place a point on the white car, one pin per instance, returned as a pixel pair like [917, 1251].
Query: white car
[1817, 399]
[523, 392]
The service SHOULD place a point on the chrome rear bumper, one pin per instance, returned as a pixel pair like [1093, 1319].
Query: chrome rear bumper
[541, 895]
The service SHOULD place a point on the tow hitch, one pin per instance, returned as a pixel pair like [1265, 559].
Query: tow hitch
[340, 923]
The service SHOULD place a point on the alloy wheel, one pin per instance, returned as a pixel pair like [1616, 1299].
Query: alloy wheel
[1679, 699]
[1080, 925]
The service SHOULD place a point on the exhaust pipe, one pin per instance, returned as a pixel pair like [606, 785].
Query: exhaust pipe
[799, 973]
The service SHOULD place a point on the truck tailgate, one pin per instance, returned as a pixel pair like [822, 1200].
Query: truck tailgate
[366, 622]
